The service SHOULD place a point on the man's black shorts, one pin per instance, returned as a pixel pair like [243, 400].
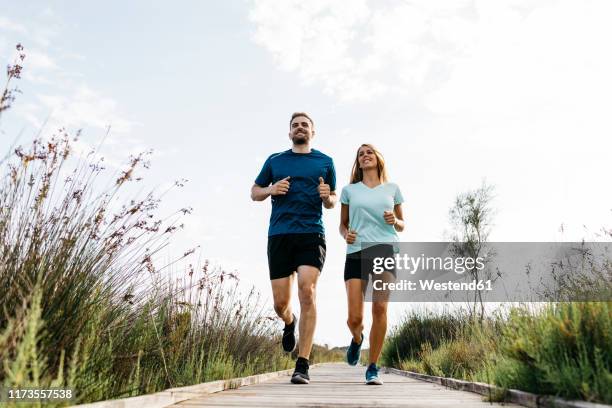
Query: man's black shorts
[359, 265]
[288, 251]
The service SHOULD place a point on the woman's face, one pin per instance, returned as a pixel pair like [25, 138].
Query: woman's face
[367, 158]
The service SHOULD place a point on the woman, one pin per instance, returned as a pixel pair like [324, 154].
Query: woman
[371, 212]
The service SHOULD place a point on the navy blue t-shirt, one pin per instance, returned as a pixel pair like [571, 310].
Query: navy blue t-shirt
[298, 211]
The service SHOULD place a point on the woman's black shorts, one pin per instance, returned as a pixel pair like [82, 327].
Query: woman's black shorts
[359, 265]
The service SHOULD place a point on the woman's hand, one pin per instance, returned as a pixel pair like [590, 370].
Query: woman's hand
[389, 217]
[351, 236]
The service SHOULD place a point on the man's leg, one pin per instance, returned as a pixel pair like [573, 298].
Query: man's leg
[307, 283]
[309, 258]
[281, 292]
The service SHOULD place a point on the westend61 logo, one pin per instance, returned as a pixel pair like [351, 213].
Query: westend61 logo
[489, 272]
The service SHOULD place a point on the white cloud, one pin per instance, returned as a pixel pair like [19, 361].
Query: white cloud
[535, 63]
[84, 107]
[9, 25]
[364, 50]
[313, 39]
[62, 98]
[39, 60]
[451, 48]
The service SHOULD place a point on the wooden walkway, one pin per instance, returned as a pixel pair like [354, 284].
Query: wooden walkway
[340, 385]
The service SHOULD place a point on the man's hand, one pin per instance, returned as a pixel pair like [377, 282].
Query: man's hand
[389, 217]
[351, 236]
[324, 190]
[280, 187]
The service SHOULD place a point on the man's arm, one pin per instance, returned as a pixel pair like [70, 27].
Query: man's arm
[327, 196]
[259, 193]
[330, 202]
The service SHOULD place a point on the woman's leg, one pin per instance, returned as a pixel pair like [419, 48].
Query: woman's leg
[379, 329]
[354, 294]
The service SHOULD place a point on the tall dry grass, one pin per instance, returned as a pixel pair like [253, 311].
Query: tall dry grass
[84, 303]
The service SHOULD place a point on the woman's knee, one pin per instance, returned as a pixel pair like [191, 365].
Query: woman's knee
[379, 309]
[354, 321]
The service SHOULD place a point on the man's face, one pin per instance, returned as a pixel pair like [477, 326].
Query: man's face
[301, 131]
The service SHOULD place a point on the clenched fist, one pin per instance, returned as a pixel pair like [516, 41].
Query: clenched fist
[389, 217]
[280, 187]
[351, 236]
[324, 190]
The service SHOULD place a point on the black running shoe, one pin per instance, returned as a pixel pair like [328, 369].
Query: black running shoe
[300, 375]
[289, 336]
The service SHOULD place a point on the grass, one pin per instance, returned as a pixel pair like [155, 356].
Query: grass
[323, 353]
[406, 339]
[84, 301]
[563, 349]
[566, 350]
[84, 305]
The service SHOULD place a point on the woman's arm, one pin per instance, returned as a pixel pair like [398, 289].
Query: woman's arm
[399, 218]
[344, 220]
[349, 236]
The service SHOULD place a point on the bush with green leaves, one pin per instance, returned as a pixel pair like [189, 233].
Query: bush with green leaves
[565, 350]
[562, 349]
[417, 329]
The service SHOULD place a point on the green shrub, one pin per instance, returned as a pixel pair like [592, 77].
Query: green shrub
[464, 356]
[416, 329]
[413, 365]
[566, 350]
[560, 349]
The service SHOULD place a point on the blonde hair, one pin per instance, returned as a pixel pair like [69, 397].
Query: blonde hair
[357, 173]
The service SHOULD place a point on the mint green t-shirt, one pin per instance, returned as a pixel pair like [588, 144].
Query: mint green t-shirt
[366, 212]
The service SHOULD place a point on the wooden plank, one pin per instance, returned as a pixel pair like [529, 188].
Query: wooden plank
[340, 385]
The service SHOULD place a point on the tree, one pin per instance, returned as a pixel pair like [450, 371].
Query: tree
[472, 217]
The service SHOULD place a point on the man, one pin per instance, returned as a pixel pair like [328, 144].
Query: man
[299, 180]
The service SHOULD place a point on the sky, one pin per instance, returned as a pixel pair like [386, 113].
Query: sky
[514, 92]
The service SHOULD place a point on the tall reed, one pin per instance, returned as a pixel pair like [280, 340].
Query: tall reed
[84, 301]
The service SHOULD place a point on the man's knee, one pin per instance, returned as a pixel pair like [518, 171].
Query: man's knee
[281, 306]
[306, 293]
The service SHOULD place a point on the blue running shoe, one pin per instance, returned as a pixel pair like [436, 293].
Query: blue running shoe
[353, 352]
[372, 377]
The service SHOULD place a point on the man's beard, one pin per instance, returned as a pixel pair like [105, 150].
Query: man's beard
[300, 139]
